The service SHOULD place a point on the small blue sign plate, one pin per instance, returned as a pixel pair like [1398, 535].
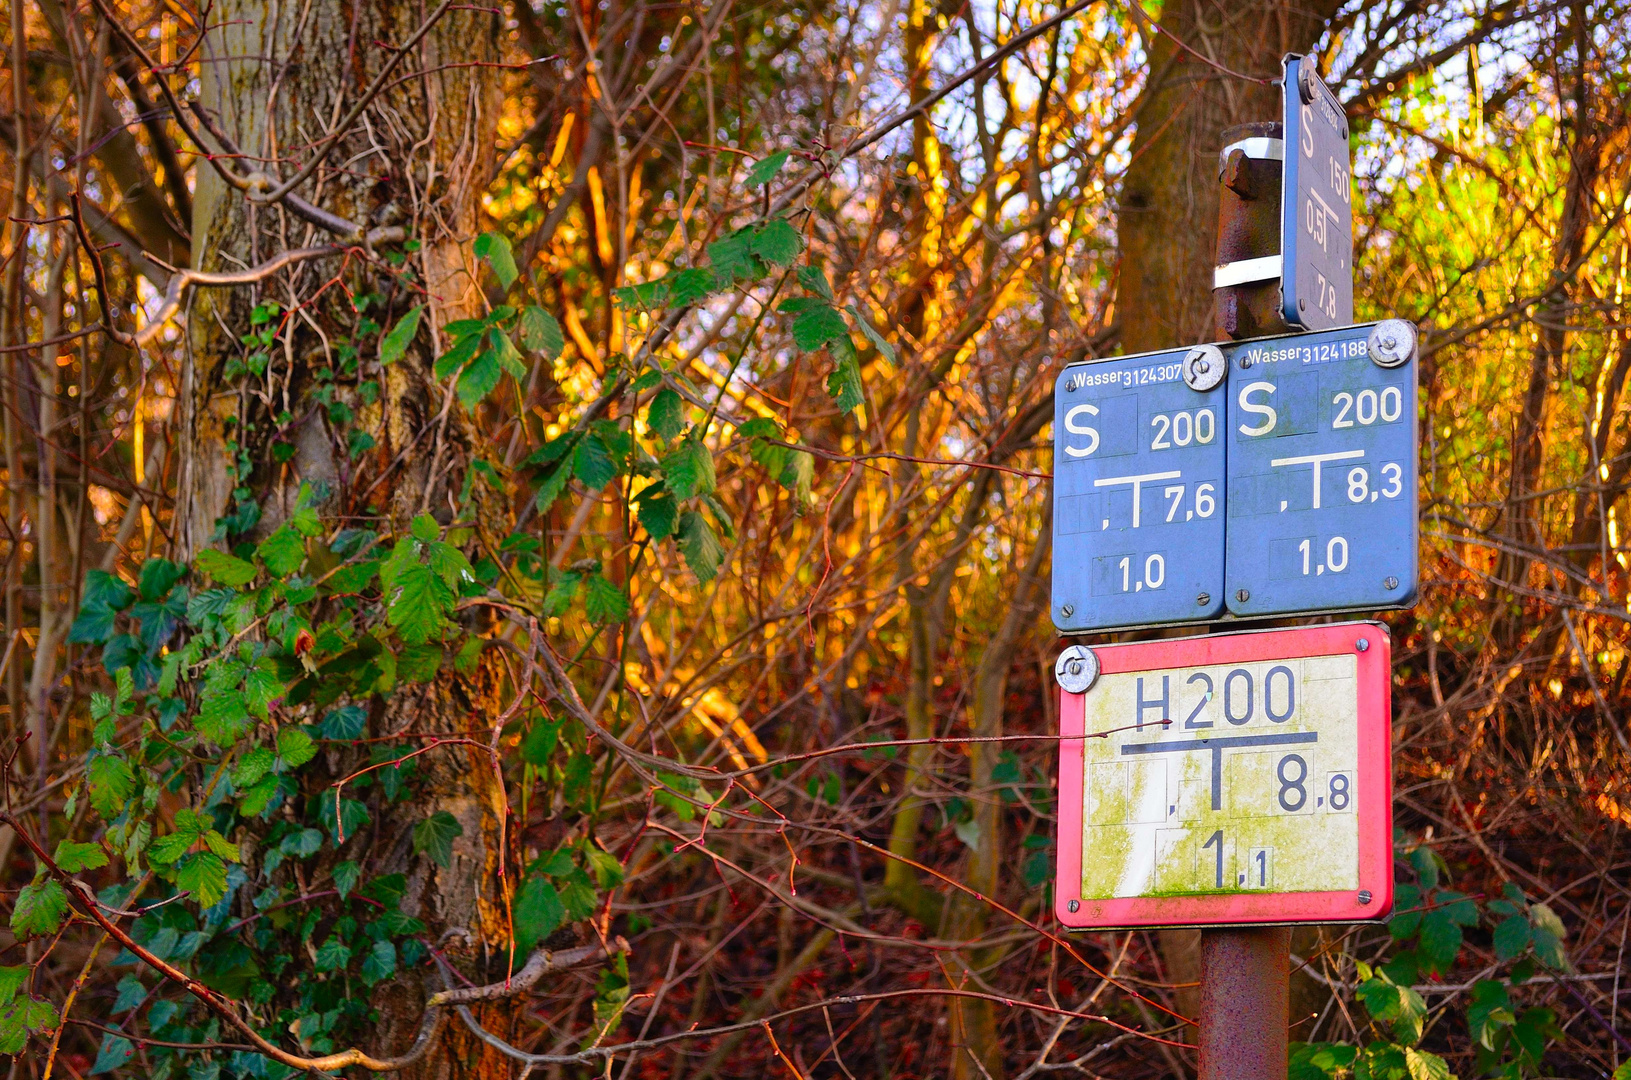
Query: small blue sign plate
[1316, 206]
[1138, 472]
[1322, 473]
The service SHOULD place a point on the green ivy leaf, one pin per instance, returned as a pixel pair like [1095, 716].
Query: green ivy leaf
[158, 575]
[777, 242]
[434, 837]
[39, 909]
[394, 345]
[346, 876]
[332, 955]
[765, 169]
[224, 568]
[282, 552]
[700, 546]
[380, 963]
[665, 416]
[74, 857]
[495, 249]
[418, 604]
[104, 589]
[540, 332]
[115, 1053]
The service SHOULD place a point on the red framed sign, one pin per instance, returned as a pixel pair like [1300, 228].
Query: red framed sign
[1231, 779]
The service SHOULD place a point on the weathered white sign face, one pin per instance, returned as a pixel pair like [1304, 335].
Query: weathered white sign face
[1228, 781]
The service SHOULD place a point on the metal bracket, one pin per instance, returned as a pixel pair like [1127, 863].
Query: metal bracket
[1392, 342]
[1076, 670]
[1204, 367]
[1258, 147]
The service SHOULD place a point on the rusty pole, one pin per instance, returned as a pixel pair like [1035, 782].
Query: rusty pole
[1249, 232]
[1245, 1002]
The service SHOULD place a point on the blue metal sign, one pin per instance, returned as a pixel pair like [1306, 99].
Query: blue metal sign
[1322, 471]
[1316, 211]
[1138, 493]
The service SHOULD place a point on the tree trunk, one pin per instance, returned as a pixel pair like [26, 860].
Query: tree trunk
[275, 77]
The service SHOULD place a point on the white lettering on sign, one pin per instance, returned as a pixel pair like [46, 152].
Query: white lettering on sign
[1249, 786]
[1316, 460]
[1082, 429]
[1137, 483]
[1258, 408]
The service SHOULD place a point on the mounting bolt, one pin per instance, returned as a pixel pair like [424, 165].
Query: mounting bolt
[1076, 670]
[1204, 366]
[1074, 906]
[1067, 610]
[1245, 362]
[1390, 582]
[1305, 81]
[1203, 599]
[1392, 342]
[1243, 595]
[1364, 896]
[1362, 644]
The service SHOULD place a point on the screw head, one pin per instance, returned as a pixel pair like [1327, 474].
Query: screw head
[1067, 610]
[1390, 582]
[1076, 670]
[1203, 367]
[1362, 644]
[1245, 362]
[1364, 896]
[1074, 906]
[1243, 595]
[1203, 599]
[1392, 343]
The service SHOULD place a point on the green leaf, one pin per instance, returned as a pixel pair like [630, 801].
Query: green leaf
[157, 576]
[561, 594]
[777, 242]
[657, 512]
[690, 285]
[459, 353]
[418, 663]
[111, 784]
[765, 169]
[449, 563]
[170, 848]
[332, 955]
[539, 745]
[1512, 937]
[222, 567]
[844, 383]
[39, 909]
[346, 875]
[879, 342]
[115, 1053]
[1440, 939]
[538, 911]
[93, 626]
[295, 747]
[418, 604]
[817, 325]
[508, 358]
[380, 963]
[551, 488]
[478, 380]
[592, 464]
[665, 416]
[1425, 1066]
[689, 470]
[434, 837]
[205, 876]
[104, 589]
[814, 278]
[394, 345]
[344, 723]
[732, 257]
[541, 333]
[424, 528]
[223, 717]
[700, 546]
[605, 602]
[1427, 863]
[1458, 908]
[282, 552]
[1624, 1071]
[495, 249]
[604, 865]
[252, 766]
[74, 857]
[12, 980]
[24, 1016]
[223, 847]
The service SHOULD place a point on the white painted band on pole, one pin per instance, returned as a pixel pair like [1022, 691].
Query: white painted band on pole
[1246, 271]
